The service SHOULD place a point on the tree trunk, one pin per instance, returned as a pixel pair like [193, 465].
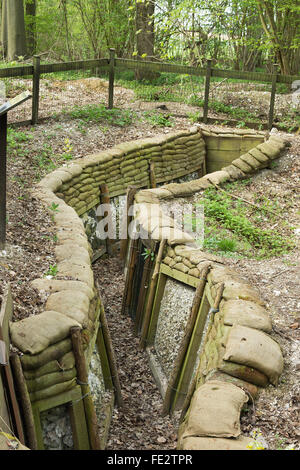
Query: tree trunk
[31, 26]
[16, 46]
[145, 36]
[4, 37]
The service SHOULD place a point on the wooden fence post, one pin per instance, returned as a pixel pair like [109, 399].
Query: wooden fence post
[273, 93]
[206, 93]
[111, 78]
[36, 89]
[82, 379]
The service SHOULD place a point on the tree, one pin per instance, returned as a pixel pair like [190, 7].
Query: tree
[145, 35]
[281, 23]
[30, 21]
[13, 29]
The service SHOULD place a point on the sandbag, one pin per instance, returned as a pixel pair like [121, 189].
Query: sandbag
[215, 443]
[246, 313]
[34, 334]
[256, 349]
[215, 410]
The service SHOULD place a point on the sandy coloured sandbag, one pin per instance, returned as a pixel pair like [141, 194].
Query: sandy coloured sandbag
[9, 442]
[246, 313]
[215, 443]
[72, 303]
[36, 333]
[255, 349]
[215, 410]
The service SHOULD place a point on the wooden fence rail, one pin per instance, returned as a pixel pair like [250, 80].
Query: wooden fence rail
[113, 63]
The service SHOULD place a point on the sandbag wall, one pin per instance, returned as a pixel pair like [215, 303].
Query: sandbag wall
[71, 299]
[237, 354]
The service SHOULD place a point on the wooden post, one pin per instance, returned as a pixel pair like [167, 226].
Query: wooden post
[206, 93]
[152, 175]
[105, 199]
[186, 339]
[192, 386]
[131, 192]
[25, 402]
[82, 379]
[273, 93]
[111, 78]
[3, 158]
[127, 294]
[152, 290]
[111, 359]
[36, 89]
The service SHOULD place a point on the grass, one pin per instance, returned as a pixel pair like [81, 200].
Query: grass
[97, 113]
[232, 227]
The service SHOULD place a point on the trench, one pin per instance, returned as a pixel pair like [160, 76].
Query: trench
[139, 425]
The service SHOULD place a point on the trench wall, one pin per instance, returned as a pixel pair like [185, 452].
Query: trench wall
[71, 299]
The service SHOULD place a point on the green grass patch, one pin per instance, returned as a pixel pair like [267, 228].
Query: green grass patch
[231, 226]
[99, 113]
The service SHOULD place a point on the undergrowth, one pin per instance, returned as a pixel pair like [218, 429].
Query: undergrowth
[232, 226]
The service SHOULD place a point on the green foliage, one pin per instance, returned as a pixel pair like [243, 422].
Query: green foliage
[158, 119]
[52, 271]
[99, 113]
[148, 253]
[246, 232]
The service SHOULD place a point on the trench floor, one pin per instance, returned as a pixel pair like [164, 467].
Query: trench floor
[139, 425]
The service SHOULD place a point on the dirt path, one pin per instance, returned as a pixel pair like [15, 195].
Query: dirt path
[139, 426]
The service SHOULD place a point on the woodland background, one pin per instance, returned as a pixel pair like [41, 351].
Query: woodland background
[237, 34]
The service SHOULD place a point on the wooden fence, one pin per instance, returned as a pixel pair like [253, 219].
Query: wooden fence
[113, 63]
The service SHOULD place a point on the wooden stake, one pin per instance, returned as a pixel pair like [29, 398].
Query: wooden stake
[191, 389]
[186, 339]
[273, 93]
[206, 93]
[152, 175]
[36, 89]
[244, 200]
[111, 359]
[129, 278]
[131, 192]
[105, 199]
[82, 379]
[25, 401]
[111, 78]
[142, 294]
[152, 289]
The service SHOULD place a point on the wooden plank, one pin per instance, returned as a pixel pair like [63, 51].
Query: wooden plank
[161, 284]
[74, 65]
[142, 293]
[21, 71]
[78, 423]
[179, 276]
[191, 354]
[6, 313]
[77, 415]
[106, 371]
[107, 413]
